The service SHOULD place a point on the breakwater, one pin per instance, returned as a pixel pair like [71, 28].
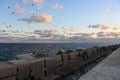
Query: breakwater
[45, 67]
[107, 69]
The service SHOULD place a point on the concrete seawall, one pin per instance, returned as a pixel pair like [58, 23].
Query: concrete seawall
[108, 69]
[43, 67]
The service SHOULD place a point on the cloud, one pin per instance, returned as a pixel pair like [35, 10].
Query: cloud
[116, 28]
[40, 5]
[44, 32]
[39, 2]
[2, 31]
[94, 26]
[19, 10]
[43, 18]
[109, 10]
[35, 1]
[73, 29]
[105, 26]
[101, 26]
[108, 34]
[56, 6]
[53, 35]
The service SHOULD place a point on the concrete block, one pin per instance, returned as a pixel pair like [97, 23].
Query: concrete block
[90, 53]
[60, 52]
[22, 69]
[41, 55]
[66, 60]
[10, 78]
[74, 59]
[36, 69]
[58, 60]
[28, 57]
[7, 70]
[52, 77]
[51, 66]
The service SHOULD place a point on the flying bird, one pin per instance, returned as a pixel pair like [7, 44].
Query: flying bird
[12, 13]
[36, 9]
[89, 26]
[8, 7]
[32, 4]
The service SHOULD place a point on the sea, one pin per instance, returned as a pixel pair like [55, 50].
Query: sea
[8, 51]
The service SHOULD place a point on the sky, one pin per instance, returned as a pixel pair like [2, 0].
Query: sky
[59, 21]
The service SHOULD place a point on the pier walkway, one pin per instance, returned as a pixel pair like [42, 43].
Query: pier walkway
[108, 69]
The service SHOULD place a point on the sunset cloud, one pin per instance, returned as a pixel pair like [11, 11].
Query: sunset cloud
[73, 29]
[19, 10]
[36, 1]
[43, 18]
[40, 5]
[43, 32]
[105, 26]
[2, 31]
[39, 2]
[116, 28]
[108, 34]
[56, 6]
[109, 10]
[101, 26]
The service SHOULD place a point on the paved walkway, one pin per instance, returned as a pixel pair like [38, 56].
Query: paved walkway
[108, 69]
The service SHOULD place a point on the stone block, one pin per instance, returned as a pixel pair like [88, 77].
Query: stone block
[36, 69]
[51, 66]
[66, 60]
[28, 57]
[10, 78]
[74, 59]
[7, 70]
[23, 70]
